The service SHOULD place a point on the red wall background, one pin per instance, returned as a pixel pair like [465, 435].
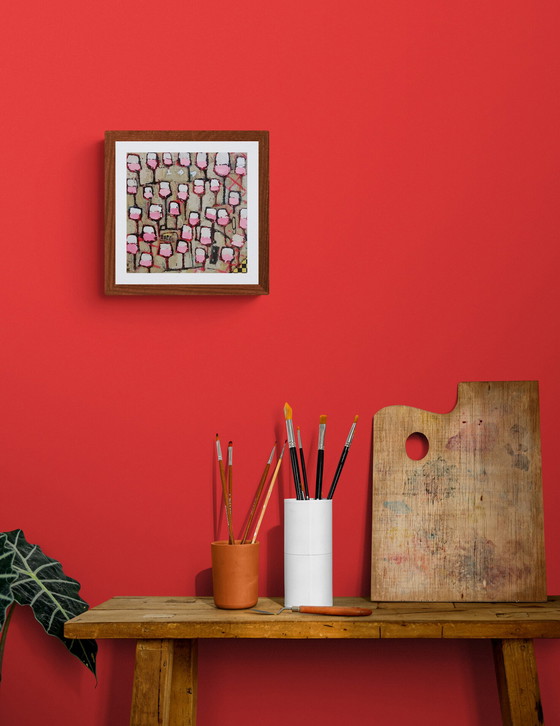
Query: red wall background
[414, 244]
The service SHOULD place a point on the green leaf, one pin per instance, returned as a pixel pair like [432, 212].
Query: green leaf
[53, 596]
[7, 576]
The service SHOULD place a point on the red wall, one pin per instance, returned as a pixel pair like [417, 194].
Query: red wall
[414, 217]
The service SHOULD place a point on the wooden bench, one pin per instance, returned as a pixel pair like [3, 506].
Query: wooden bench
[167, 630]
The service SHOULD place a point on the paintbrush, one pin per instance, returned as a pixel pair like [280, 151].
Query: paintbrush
[269, 492]
[320, 457]
[292, 447]
[342, 458]
[303, 469]
[230, 487]
[224, 489]
[258, 496]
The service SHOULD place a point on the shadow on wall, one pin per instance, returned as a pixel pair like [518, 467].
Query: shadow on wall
[203, 583]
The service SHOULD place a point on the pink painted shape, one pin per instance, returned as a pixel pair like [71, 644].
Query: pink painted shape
[222, 169]
[186, 232]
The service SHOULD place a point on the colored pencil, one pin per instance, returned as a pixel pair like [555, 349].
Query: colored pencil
[342, 458]
[224, 489]
[303, 469]
[269, 492]
[257, 496]
[320, 457]
[292, 447]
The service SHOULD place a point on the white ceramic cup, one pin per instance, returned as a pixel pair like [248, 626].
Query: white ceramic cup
[307, 552]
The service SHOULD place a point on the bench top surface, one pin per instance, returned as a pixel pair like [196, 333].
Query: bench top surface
[197, 617]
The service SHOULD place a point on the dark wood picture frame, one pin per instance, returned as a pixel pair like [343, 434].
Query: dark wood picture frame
[250, 278]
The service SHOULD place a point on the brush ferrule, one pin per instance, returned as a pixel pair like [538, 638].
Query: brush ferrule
[290, 433]
[230, 455]
[350, 435]
[272, 454]
[322, 429]
[299, 439]
[219, 450]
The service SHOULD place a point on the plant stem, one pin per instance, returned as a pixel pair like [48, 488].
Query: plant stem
[4, 634]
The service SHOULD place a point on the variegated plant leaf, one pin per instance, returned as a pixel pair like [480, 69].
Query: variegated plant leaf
[53, 596]
[7, 576]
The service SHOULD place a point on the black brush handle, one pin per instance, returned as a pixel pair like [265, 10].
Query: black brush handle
[338, 472]
[319, 478]
[295, 471]
[304, 475]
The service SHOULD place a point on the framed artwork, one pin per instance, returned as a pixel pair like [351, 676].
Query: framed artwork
[186, 212]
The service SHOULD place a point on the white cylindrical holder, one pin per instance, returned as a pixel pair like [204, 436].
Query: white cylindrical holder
[307, 552]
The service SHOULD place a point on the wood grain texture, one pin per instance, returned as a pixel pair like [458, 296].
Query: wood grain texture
[110, 286]
[466, 521]
[151, 689]
[518, 684]
[184, 683]
[165, 683]
[174, 618]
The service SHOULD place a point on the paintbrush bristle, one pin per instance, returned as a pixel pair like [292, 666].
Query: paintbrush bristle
[287, 411]
[356, 419]
[322, 419]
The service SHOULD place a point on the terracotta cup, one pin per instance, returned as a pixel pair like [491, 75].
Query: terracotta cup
[235, 575]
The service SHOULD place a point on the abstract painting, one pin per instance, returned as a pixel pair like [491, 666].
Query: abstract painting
[186, 212]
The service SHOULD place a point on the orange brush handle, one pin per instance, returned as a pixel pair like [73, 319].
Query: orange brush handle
[332, 610]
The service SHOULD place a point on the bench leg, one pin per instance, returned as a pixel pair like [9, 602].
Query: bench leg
[518, 682]
[165, 683]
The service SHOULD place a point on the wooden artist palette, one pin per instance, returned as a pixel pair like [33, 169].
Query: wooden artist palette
[466, 521]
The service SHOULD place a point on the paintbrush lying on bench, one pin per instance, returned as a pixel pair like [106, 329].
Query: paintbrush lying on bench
[320, 610]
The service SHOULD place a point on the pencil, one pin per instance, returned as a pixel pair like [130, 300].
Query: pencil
[257, 496]
[269, 492]
[342, 458]
[320, 457]
[303, 469]
[224, 489]
[292, 447]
